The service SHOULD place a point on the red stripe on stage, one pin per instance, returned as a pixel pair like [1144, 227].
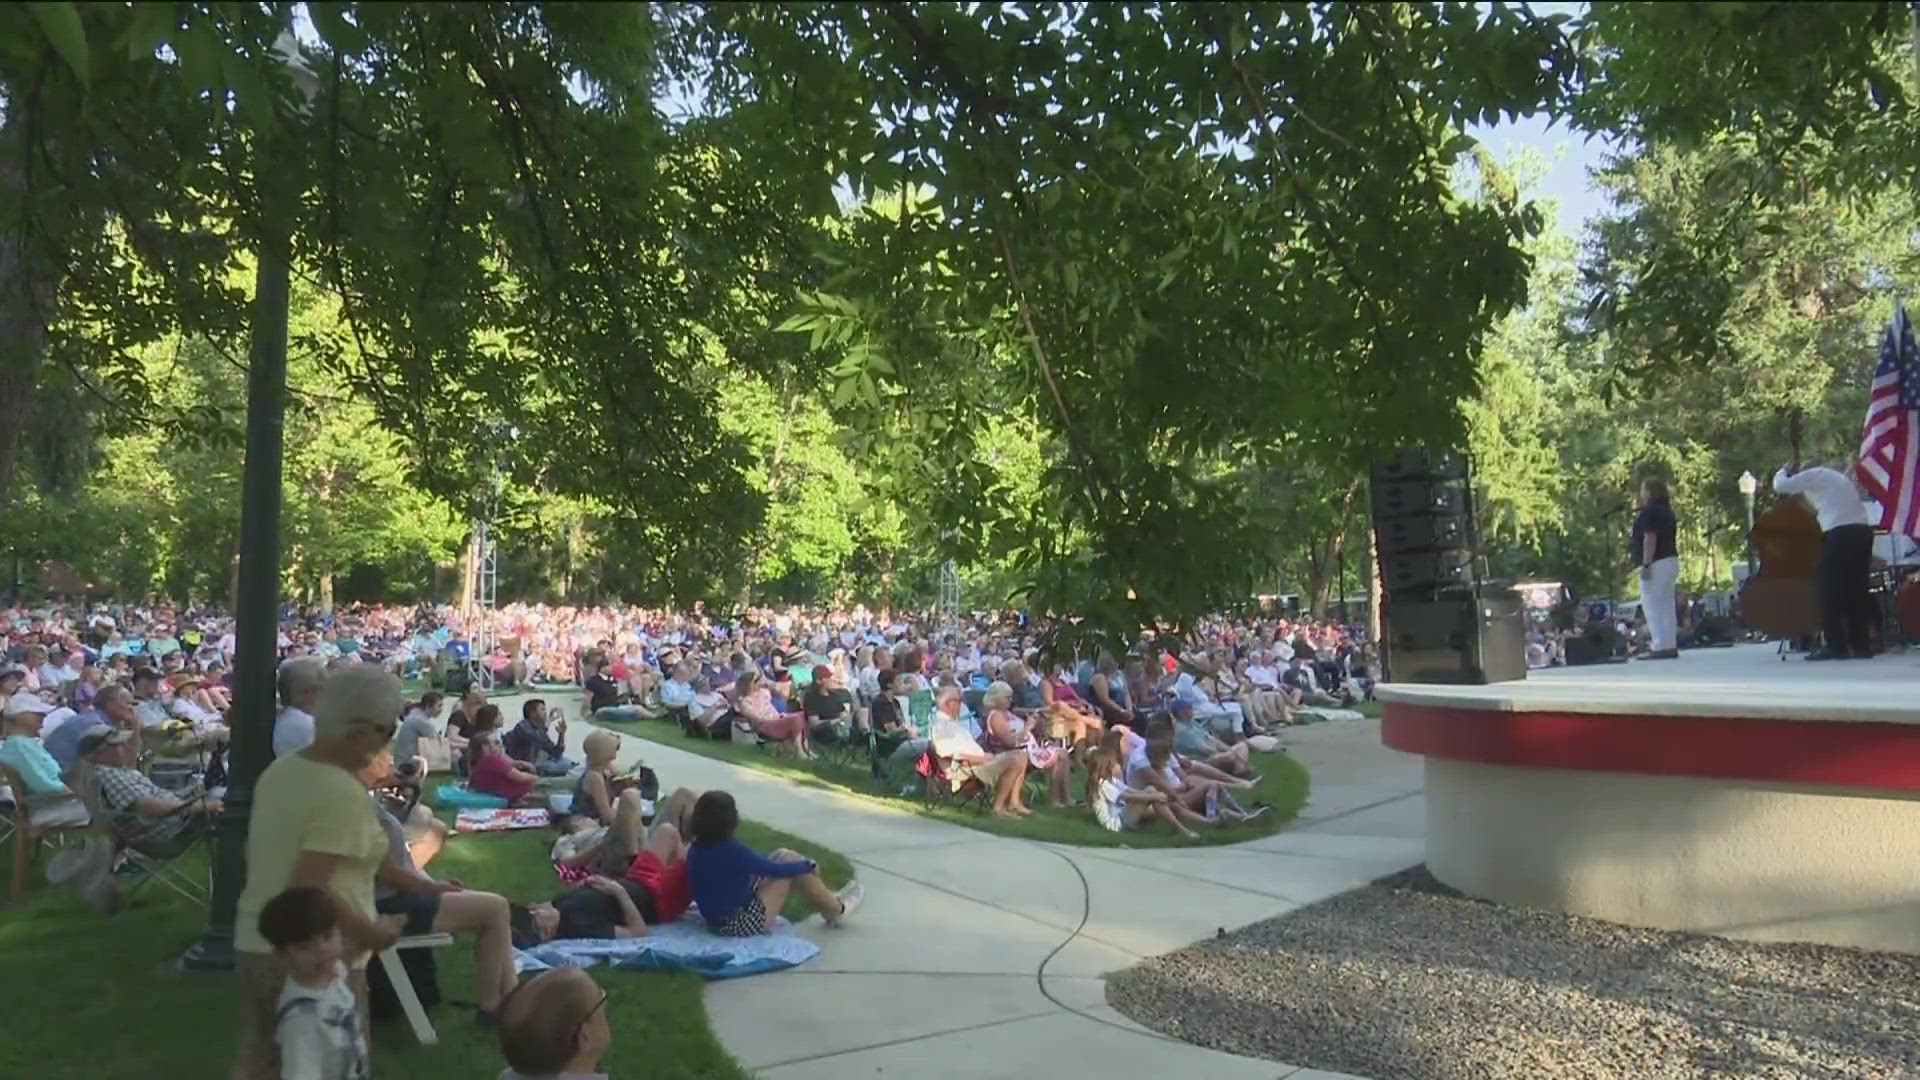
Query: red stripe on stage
[1880, 756]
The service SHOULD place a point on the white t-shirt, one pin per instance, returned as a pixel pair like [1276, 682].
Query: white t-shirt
[292, 730]
[319, 1032]
[1110, 809]
[1835, 500]
[1263, 676]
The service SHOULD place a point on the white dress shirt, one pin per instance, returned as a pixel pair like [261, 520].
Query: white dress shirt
[1835, 500]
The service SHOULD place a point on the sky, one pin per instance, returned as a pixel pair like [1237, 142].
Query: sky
[1568, 154]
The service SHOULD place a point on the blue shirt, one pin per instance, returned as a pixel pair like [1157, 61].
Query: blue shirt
[64, 741]
[721, 876]
[36, 767]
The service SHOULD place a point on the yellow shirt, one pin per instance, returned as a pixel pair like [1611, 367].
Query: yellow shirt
[304, 805]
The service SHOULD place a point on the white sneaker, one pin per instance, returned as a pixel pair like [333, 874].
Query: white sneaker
[850, 894]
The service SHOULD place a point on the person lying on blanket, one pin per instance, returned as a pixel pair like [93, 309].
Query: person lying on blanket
[652, 890]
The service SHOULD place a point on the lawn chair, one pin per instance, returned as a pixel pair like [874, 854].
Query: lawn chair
[148, 861]
[29, 838]
[937, 785]
[919, 712]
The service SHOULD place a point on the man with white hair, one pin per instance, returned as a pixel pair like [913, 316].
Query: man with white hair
[300, 681]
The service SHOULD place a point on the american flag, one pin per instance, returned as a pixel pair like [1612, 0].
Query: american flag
[1889, 465]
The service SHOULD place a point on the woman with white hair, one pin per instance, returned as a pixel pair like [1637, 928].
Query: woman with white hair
[313, 826]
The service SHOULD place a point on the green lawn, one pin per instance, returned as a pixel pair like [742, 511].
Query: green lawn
[97, 998]
[1283, 787]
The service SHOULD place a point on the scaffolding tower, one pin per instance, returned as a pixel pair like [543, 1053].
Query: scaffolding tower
[949, 603]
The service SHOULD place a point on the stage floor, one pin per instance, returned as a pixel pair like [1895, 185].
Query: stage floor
[1743, 681]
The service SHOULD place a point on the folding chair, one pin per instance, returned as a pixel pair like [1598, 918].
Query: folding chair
[416, 1013]
[29, 838]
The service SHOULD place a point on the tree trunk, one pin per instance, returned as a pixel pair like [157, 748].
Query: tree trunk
[469, 574]
[326, 593]
[29, 280]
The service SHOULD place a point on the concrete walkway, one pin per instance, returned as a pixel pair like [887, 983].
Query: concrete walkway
[979, 956]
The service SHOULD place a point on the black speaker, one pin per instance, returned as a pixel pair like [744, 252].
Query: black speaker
[1423, 498]
[1415, 463]
[1405, 534]
[1431, 571]
[1461, 640]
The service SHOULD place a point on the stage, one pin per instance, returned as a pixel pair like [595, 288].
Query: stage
[1725, 792]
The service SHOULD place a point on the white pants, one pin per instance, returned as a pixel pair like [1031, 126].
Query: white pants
[1656, 599]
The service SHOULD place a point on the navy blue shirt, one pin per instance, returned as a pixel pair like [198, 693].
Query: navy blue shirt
[1656, 518]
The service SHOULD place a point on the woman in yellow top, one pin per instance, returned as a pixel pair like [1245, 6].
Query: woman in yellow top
[313, 825]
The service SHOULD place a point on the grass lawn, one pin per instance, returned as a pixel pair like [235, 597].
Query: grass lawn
[97, 998]
[1283, 787]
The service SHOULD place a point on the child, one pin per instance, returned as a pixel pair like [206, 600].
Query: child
[1119, 807]
[740, 891]
[321, 1032]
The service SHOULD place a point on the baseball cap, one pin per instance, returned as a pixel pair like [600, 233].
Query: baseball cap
[102, 735]
[27, 702]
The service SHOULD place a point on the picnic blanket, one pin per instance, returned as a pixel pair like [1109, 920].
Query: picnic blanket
[1316, 714]
[683, 945]
[461, 795]
[501, 820]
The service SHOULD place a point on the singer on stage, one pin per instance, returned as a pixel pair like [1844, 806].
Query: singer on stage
[1846, 556]
[1655, 548]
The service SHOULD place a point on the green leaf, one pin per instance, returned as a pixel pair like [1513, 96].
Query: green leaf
[331, 21]
[149, 29]
[61, 23]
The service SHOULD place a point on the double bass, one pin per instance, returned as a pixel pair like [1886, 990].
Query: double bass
[1782, 600]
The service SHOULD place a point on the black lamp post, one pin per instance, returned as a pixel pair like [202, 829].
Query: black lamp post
[257, 610]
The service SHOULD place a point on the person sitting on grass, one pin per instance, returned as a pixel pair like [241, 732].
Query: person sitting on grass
[1194, 738]
[321, 1028]
[491, 772]
[1152, 764]
[756, 714]
[741, 892]
[531, 744]
[1003, 773]
[554, 1027]
[1118, 807]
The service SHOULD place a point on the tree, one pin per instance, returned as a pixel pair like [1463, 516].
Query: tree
[1163, 260]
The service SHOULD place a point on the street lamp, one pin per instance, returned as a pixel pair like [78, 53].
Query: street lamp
[257, 608]
[1749, 485]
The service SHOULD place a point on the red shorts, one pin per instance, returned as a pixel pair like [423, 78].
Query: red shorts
[672, 896]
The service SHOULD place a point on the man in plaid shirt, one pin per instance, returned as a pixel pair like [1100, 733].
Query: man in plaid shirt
[126, 789]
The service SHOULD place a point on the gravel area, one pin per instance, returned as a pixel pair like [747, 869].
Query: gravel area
[1406, 980]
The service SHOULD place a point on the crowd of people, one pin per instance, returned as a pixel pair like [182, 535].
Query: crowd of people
[119, 717]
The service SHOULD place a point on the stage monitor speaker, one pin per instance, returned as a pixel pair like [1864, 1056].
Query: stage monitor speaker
[1464, 640]
[1426, 572]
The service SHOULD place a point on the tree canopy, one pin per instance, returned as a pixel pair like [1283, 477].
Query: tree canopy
[1112, 303]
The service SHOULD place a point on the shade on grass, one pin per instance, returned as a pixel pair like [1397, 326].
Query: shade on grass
[86, 996]
[1283, 788]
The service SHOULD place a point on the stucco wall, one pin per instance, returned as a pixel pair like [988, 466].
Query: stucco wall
[1677, 853]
